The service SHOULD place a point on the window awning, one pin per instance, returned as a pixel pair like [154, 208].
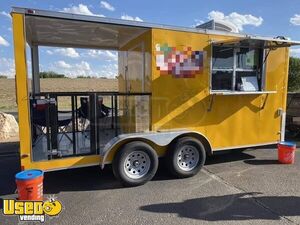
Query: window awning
[256, 42]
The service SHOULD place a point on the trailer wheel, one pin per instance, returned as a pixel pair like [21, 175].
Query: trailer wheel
[135, 164]
[186, 157]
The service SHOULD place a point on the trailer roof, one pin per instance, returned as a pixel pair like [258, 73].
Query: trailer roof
[51, 28]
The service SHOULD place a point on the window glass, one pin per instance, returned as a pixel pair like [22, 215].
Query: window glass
[222, 58]
[222, 80]
[243, 75]
[246, 81]
[247, 58]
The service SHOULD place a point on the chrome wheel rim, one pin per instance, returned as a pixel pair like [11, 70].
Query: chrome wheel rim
[187, 158]
[137, 164]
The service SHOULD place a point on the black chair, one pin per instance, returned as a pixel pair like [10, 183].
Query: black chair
[41, 120]
[84, 111]
[85, 107]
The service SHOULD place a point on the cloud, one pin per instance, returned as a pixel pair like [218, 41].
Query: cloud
[197, 23]
[237, 19]
[103, 54]
[295, 20]
[92, 62]
[49, 52]
[295, 52]
[69, 52]
[62, 64]
[127, 17]
[81, 9]
[107, 6]
[83, 65]
[109, 71]
[3, 13]
[3, 42]
[7, 67]
[72, 70]
[83, 68]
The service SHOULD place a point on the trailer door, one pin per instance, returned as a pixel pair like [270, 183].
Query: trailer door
[137, 106]
[135, 72]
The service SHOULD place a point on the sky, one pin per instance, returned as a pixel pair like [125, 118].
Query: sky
[267, 18]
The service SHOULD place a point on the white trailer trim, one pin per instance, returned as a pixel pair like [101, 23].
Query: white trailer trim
[159, 138]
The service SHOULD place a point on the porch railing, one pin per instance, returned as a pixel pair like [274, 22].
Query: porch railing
[63, 106]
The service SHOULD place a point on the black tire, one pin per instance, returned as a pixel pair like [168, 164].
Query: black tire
[173, 153]
[119, 163]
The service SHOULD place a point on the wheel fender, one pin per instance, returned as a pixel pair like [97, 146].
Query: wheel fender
[158, 138]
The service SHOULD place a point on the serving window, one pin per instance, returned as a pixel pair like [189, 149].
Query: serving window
[237, 69]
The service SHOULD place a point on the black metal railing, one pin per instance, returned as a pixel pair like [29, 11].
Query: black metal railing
[68, 117]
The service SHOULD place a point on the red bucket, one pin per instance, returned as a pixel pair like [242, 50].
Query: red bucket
[286, 152]
[30, 185]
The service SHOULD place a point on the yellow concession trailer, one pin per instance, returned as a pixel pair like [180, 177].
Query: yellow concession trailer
[184, 93]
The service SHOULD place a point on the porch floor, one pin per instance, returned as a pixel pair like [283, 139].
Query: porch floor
[65, 145]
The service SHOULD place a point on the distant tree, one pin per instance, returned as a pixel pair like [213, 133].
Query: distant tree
[51, 74]
[3, 77]
[294, 74]
[83, 77]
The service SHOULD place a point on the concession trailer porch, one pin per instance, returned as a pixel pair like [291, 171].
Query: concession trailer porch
[183, 94]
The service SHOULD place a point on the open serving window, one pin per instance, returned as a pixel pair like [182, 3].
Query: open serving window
[238, 66]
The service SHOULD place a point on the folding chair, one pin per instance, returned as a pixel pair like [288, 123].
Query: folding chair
[84, 111]
[41, 120]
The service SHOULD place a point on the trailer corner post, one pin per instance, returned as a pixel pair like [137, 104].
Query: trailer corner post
[282, 126]
[22, 91]
[35, 69]
[284, 97]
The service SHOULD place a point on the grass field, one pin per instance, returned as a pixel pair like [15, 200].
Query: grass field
[8, 96]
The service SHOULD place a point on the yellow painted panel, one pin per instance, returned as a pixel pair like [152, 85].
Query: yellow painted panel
[174, 100]
[57, 164]
[22, 87]
[237, 120]
[276, 80]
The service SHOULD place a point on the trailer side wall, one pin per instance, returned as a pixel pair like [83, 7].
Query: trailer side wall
[227, 121]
